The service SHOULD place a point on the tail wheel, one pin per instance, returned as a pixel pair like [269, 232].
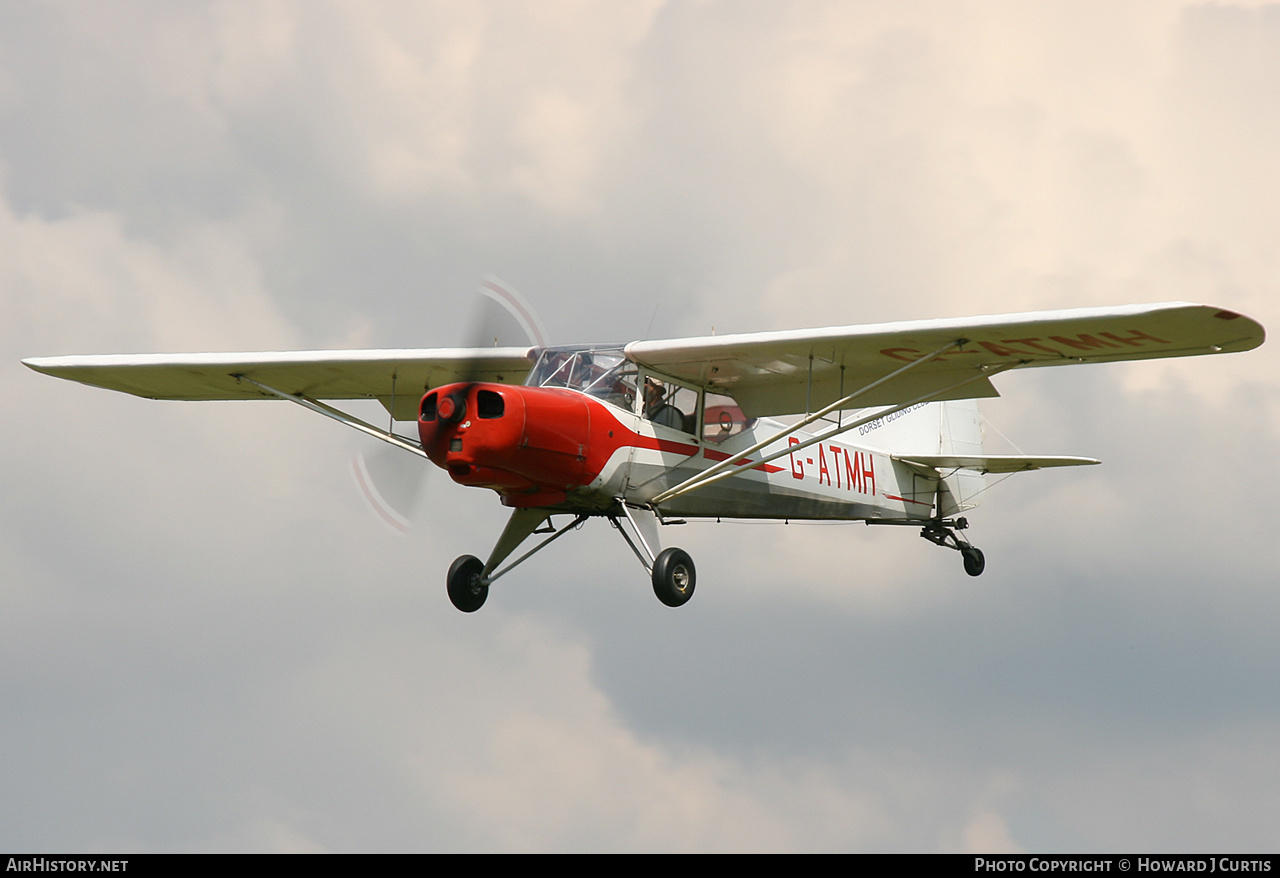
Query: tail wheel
[467, 588]
[673, 577]
[974, 562]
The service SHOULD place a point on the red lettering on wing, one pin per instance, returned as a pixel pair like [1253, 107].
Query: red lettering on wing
[1000, 350]
[1134, 338]
[1033, 343]
[1083, 342]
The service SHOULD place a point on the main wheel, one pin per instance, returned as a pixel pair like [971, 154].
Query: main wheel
[673, 577]
[974, 562]
[466, 589]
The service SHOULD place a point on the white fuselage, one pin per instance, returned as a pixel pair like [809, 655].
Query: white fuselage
[831, 479]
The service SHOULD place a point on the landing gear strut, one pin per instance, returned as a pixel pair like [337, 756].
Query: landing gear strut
[946, 533]
[469, 577]
[671, 569]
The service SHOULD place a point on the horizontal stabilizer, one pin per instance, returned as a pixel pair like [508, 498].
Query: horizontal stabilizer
[991, 463]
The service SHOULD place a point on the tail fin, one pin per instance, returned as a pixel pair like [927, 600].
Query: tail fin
[938, 432]
[961, 434]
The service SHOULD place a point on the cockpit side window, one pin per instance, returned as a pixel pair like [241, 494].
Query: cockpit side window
[722, 418]
[670, 404]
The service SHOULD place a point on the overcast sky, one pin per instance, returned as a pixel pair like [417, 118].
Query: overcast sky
[208, 643]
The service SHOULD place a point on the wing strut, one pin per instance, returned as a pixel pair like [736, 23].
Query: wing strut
[340, 416]
[716, 473]
[522, 523]
[710, 473]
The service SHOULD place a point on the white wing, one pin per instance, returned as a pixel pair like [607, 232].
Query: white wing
[774, 373]
[404, 374]
[767, 372]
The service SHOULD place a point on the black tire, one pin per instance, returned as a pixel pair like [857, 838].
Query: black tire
[467, 590]
[974, 562]
[674, 577]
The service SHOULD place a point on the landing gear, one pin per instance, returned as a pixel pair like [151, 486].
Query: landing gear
[974, 562]
[946, 533]
[470, 578]
[671, 570]
[467, 587]
[673, 577]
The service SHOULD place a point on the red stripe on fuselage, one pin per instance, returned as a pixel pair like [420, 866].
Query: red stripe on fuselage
[906, 500]
[711, 454]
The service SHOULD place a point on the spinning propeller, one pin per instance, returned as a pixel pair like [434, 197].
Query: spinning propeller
[391, 482]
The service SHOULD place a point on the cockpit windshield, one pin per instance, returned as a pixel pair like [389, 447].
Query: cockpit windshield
[604, 373]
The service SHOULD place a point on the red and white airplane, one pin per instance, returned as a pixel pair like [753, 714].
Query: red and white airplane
[883, 424]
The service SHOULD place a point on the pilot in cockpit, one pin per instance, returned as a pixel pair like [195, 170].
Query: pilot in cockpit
[657, 409]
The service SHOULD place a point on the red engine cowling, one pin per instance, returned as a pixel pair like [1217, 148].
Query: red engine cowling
[530, 444]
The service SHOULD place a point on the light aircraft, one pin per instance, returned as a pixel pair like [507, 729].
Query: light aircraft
[883, 419]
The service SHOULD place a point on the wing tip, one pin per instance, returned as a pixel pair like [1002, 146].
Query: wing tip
[43, 365]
